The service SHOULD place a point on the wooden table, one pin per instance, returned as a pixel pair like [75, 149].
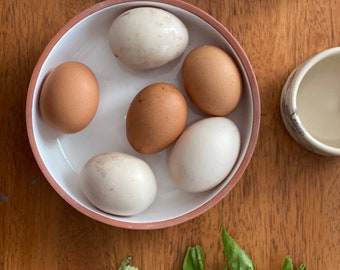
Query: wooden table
[287, 202]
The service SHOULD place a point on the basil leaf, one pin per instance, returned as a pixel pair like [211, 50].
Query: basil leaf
[302, 267]
[194, 258]
[287, 264]
[125, 264]
[237, 258]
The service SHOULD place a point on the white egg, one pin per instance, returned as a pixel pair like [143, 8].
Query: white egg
[118, 183]
[204, 154]
[147, 37]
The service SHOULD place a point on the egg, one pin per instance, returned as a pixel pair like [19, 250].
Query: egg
[69, 97]
[212, 80]
[156, 117]
[147, 37]
[118, 183]
[204, 154]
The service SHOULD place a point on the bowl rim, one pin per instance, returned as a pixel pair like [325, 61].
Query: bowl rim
[253, 136]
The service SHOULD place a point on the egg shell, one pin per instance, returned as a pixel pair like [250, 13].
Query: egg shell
[212, 80]
[118, 183]
[147, 37]
[204, 154]
[156, 117]
[69, 97]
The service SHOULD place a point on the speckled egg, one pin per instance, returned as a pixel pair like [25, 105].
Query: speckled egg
[156, 117]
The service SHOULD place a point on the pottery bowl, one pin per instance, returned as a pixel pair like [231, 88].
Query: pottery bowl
[61, 157]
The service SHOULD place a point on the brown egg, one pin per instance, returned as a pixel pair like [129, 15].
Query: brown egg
[156, 117]
[69, 97]
[212, 80]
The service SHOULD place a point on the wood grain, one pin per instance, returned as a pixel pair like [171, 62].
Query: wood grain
[287, 202]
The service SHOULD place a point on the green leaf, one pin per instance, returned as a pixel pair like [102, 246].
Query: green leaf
[237, 258]
[125, 264]
[287, 264]
[302, 267]
[194, 258]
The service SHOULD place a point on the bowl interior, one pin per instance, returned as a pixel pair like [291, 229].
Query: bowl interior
[317, 99]
[61, 157]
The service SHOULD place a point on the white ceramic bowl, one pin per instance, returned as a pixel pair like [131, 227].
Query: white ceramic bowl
[310, 103]
[61, 157]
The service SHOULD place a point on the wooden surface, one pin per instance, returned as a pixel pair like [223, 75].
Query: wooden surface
[287, 202]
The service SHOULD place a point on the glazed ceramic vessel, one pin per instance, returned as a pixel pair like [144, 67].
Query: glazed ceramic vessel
[310, 103]
[61, 157]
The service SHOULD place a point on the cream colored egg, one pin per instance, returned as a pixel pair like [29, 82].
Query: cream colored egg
[205, 153]
[118, 183]
[147, 37]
